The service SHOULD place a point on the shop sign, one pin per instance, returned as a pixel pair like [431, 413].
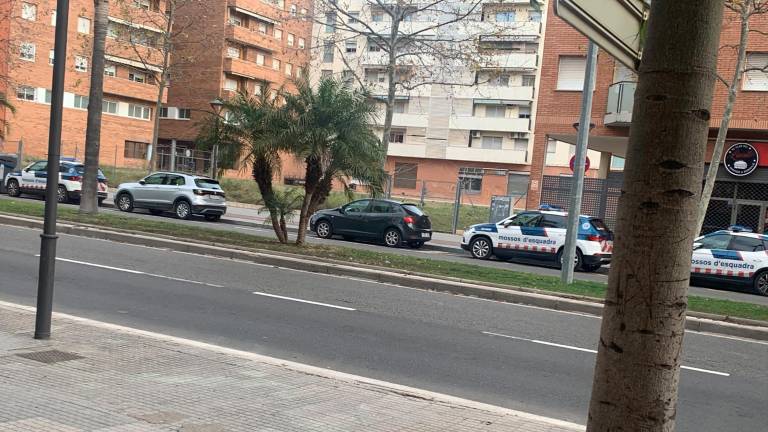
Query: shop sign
[741, 159]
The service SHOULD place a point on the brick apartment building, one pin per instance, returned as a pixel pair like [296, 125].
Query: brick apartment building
[736, 199]
[26, 66]
[228, 46]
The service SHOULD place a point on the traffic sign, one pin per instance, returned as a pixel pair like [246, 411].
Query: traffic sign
[587, 163]
[614, 25]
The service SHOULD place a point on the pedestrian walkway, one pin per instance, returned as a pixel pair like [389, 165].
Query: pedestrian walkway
[98, 377]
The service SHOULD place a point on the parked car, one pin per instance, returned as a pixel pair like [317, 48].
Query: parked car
[731, 258]
[391, 222]
[33, 179]
[183, 194]
[540, 235]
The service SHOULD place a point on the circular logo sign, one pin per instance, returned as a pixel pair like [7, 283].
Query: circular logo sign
[741, 159]
[587, 163]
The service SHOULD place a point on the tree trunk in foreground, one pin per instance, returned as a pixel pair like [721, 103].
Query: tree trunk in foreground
[638, 362]
[89, 200]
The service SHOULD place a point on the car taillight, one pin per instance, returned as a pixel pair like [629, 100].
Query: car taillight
[409, 220]
[596, 238]
[198, 192]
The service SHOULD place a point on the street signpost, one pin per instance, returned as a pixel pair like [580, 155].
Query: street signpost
[614, 25]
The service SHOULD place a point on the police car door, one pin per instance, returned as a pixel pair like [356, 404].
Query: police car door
[707, 255]
[34, 176]
[748, 254]
[551, 236]
[510, 235]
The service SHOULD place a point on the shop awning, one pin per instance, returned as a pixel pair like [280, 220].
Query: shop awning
[617, 146]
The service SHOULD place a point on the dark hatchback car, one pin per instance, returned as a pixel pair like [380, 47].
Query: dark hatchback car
[392, 222]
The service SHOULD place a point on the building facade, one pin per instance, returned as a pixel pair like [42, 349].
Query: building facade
[228, 47]
[739, 198]
[27, 38]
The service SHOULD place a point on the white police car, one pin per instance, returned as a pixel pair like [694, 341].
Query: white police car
[731, 258]
[540, 235]
[33, 178]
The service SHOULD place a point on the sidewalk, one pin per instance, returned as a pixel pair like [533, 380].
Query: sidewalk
[100, 377]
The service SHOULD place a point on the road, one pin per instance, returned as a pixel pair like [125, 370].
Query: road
[459, 256]
[525, 358]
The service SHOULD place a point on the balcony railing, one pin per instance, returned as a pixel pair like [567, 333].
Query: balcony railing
[621, 97]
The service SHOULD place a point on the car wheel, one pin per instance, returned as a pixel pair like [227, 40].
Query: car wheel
[62, 196]
[124, 202]
[392, 238]
[577, 261]
[323, 229]
[182, 209]
[481, 248]
[155, 212]
[212, 218]
[13, 188]
[760, 283]
[415, 244]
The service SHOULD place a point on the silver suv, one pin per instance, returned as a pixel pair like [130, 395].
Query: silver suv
[182, 194]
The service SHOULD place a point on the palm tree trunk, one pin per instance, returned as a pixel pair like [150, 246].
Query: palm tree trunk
[312, 177]
[262, 173]
[638, 362]
[89, 195]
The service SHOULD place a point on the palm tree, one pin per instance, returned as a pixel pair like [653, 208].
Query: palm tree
[332, 130]
[284, 203]
[248, 138]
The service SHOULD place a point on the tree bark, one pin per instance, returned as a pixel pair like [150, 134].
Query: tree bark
[312, 177]
[722, 133]
[262, 174]
[391, 85]
[638, 362]
[89, 201]
[163, 82]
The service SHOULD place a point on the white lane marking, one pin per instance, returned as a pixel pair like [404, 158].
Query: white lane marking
[303, 301]
[591, 351]
[124, 270]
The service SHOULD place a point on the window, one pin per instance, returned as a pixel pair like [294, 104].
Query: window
[505, 16]
[185, 113]
[326, 73]
[551, 146]
[524, 220]
[275, 64]
[373, 46]
[281, 4]
[138, 150]
[142, 4]
[492, 142]
[48, 96]
[717, 241]
[81, 102]
[288, 69]
[570, 74]
[110, 70]
[354, 17]
[328, 52]
[233, 52]
[377, 16]
[552, 221]
[754, 79]
[405, 175]
[303, 14]
[81, 64]
[293, 10]
[163, 112]
[260, 59]
[521, 144]
[290, 39]
[175, 180]
[83, 25]
[384, 207]
[499, 81]
[109, 107]
[278, 34]
[262, 26]
[53, 18]
[471, 180]
[235, 20]
[39, 166]
[746, 244]
[302, 43]
[28, 11]
[375, 75]
[27, 51]
[300, 71]
[139, 111]
[25, 93]
[401, 106]
[534, 15]
[51, 57]
[529, 80]
[495, 111]
[350, 46]
[397, 135]
[357, 206]
[330, 22]
[230, 84]
[524, 112]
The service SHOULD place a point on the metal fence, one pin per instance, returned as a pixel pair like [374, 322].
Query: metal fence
[600, 197]
[187, 161]
[735, 203]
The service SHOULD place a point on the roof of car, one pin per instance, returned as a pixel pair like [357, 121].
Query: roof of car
[556, 213]
[741, 234]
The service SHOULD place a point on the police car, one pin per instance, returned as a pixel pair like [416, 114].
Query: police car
[33, 178]
[540, 235]
[733, 258]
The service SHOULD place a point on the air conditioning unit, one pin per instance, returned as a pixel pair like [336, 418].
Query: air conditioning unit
[476, 134]
[518, 135]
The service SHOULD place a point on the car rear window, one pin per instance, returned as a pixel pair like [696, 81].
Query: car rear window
[599, 224]
[80, 169]
[207, 183]
[412, 209]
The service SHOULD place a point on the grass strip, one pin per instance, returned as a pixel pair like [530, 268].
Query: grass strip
[467, 272]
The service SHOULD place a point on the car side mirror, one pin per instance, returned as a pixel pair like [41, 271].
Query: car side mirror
[142, 182]
[697, 246]
[26, 169]
[342, 210]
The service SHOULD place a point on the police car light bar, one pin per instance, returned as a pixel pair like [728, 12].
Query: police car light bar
[740, 228]
[549, 207]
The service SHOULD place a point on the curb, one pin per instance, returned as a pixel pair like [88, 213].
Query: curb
[695, 321]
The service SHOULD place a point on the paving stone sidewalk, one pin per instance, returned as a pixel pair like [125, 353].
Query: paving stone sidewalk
[91, 377]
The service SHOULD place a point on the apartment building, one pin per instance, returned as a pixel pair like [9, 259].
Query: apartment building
[475, 123]
[229, 46]
[27, 38]
[741, 191]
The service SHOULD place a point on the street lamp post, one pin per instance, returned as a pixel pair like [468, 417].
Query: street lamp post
[216, 105]
[48, 238]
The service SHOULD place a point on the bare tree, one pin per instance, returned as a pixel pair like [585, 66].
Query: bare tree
[415, 43]
[745, 10]
[638, 364]
[89, 195]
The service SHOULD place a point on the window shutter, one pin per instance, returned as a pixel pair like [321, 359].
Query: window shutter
[570, 75]
[756, 80]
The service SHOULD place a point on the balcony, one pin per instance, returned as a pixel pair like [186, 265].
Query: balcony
[131, 89]
[257, 9]
[253, 38]
[407, 150]
[512, 30]
[513, 60]
[404, 120]
[485, 91]
[621, 97]
[486, 155]
[406, 28]
[251, 70]
[491, 124]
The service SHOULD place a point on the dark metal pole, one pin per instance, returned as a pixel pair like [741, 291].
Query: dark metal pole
[48, 242]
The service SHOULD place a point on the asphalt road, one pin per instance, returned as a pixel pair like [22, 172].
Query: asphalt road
[460, 256]
[525, 358]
